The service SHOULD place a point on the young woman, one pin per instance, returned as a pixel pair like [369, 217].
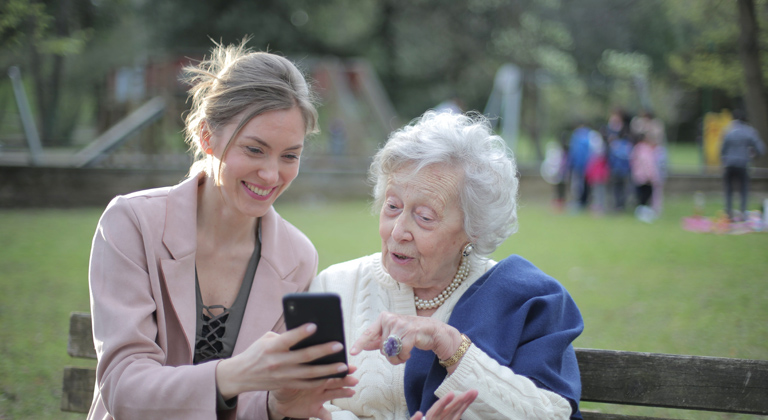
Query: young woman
[186, 281]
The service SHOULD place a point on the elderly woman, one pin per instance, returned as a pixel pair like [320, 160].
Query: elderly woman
[431, 315]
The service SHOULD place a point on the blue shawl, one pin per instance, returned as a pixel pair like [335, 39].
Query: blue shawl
[522, 318]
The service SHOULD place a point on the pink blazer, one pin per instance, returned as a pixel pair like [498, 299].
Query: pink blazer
[142, 286]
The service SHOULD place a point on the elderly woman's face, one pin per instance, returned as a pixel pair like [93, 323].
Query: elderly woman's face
[421, 227]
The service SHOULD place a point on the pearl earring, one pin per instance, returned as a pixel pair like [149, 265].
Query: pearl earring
[468, 248]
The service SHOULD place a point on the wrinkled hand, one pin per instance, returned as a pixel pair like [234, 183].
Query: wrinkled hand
[269, 364]
[301, 403]
[424, 333]
[450, 407]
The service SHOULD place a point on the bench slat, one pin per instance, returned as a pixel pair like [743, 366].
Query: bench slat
[665, 380]
[80, 342]
[77, 389]
[591, 415]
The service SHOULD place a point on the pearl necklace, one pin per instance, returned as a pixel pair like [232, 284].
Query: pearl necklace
[438, 300]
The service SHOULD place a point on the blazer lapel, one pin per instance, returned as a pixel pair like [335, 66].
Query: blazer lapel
[272, 280]
[264, 310]
[180, 237]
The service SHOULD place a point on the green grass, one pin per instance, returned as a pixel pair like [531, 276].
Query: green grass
[43, 276]
[640, 287]
[655, 287]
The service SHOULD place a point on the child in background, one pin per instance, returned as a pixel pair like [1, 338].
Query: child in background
[660, 154]
[645, 174]
[578, 157]
[554, 170]
[597, 174]
[619, 152]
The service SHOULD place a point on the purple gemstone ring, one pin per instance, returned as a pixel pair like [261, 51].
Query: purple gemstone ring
[392, 346]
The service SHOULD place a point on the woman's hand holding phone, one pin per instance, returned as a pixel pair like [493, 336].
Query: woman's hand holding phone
[295, 366]
[307, 401]
[300, 403]
[270, 364]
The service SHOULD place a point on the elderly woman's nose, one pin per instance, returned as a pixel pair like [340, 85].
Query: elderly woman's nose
[401, 230]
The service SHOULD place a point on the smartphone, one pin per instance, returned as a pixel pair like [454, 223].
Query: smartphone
[323, 310]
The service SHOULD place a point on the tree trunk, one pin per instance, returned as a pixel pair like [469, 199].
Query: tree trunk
[389, 74]
[39, 81]
[533, 92]
[754, 97]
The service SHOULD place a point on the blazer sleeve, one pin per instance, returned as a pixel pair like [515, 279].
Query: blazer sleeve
[132, 379]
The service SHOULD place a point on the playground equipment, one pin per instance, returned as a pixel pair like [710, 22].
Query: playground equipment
[357, 113]
[355, 117]
[95, 151]
[504, 102]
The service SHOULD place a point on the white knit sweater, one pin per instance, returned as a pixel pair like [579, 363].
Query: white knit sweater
[366, 290]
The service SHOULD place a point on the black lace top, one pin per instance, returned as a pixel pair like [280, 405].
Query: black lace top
[216, 335]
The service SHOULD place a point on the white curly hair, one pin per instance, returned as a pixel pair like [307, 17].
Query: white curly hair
[488, 196]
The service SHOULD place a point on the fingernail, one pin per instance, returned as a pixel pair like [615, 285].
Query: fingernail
[343, 368]
[337, 347]
[311, 328]
[353, 350]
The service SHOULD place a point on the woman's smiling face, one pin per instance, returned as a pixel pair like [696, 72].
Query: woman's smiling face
[261, 162]
[421, 227]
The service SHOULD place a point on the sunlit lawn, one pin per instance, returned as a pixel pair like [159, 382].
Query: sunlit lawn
[640, 287]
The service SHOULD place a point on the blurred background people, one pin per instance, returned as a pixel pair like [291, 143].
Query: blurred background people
[563, 177]
[619, 152]
[652, 128]
[619, 147]
[554, 169]
[578, 157]
[645, 174]
[597, 173]
[741, 143]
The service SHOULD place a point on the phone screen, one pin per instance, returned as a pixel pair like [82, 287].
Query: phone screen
[323, 310]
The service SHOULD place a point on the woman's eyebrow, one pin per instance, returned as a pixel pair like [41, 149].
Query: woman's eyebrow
[267, 146]
[258, 140]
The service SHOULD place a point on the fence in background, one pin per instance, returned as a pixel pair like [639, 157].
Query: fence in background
[64, 187]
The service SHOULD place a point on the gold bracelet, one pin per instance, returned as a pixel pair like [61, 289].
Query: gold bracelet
[463, 347]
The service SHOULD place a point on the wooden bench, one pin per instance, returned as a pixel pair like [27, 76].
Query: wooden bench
[78, 383]
[615, 377]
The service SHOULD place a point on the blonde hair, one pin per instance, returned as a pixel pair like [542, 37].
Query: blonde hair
[236, 81]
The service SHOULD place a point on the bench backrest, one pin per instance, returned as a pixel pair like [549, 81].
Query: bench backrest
[616, 377]
[674, 381]
[78, 383]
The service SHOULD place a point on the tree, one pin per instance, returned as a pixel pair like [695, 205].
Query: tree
[588, 53]
[46, 39]
[750, 58]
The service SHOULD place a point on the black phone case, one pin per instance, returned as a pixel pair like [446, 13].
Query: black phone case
[323, 310]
